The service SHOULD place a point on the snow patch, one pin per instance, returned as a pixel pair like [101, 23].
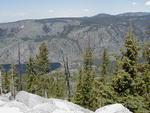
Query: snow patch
[114, 108]
[30, 103]
[10, 110]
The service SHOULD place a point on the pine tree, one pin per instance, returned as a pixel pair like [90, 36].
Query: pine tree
[31, 67]
[78, 96]
[105, 65]
[131, 54]
[31, 77]
[146, 52]
[57, 86]
[58, 91]
[102, 92]
[5, 82]
[146, 73]
[44, 83]
[85, 89]
[87, 85]
[127, 75]
[42, 67]
[88, 59]
[128, 82]
[31, 83]
[87, 77]
[42, 61]
[134, 103]
[122, 83]
[102, 95]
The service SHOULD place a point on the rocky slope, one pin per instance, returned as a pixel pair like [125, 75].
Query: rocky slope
[69, 35]
[30, 103]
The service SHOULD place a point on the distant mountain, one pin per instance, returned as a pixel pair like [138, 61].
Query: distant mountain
[69, 36]
[102, 15]
[135, 14]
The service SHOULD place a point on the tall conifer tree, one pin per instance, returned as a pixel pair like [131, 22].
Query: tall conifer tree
[84, 90]
[105, 65]
[42, 61]
[31, 78]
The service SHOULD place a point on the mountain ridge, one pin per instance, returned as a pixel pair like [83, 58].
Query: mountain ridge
[97, 15]
[69, 35]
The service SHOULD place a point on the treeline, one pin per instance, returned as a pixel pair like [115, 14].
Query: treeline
[128, 84]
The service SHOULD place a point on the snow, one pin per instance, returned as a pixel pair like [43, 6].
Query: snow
[30, 103]
[114, 108]
[29, 99]
[62, 111]
[9, 110]
[22, 107]
[61, 105]
[2, 102]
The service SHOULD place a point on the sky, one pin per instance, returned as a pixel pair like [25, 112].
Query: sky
[14, 10]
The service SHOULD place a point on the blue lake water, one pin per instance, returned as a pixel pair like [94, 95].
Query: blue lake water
[22, 67]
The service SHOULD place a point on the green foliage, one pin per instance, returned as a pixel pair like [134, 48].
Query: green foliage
[146, 52]
[87, 85]
[88, 58]
[83, 94]
[42, 61]
[125, 79]
[78, 96]
[31, 83]
[49, 85]
[37, 80]
[134, 103]
[102, 95]
[5, 82]
[31, 78]
[105, 65]
[130, 59]
[122, 82]
[146, 79]
[57, 85]
[130, 83]
[31, 67]
[43, 82]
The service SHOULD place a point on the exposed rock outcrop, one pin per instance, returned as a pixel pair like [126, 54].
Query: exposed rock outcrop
[30, 103]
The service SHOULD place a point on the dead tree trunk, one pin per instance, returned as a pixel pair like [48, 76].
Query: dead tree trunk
[67, 74]
[12, 86]
[19, 63]
[1, 88]
[45, 93]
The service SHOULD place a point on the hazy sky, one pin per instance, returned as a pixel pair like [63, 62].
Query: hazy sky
[12, 10]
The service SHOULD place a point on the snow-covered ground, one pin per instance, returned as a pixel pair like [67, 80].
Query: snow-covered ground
[30, 103]
[114, 108]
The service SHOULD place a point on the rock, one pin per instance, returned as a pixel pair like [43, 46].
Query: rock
[42, 108]
[29, 99]
[39, 104]
[30, 103]
[5, 97]
[9, 110]
[14, 104]
[114, 108]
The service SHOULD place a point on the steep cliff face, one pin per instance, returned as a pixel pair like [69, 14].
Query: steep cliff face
[69, 35]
